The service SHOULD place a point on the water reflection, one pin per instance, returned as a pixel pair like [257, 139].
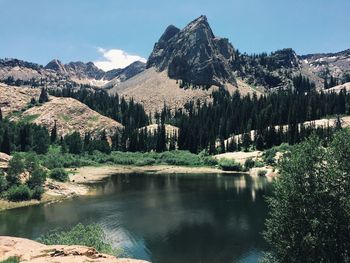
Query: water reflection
[168, 218]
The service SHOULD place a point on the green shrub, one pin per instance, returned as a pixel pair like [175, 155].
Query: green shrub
[37, 178]
[230, 165]
[3, 183]
[262, 172]
[90, 235]
[210, 161]
[249, 163]
[11, 260]
[59, 174]
[18, 193]
[259, 164]
[37, 192]
[16, 167]
[145, 161]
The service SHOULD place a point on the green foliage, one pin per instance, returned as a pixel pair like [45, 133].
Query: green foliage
[59, 174]
[89, 235]
[28, 118]
[3, 183]
[54, 159]
[37, 192]
[249, 163]
[18, 193]
[16, 167]
[74, 143]
[44, 97]
[310, 207]
[37, 178]
[41, 141]
[230, 165]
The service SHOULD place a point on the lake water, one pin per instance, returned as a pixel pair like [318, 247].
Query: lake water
[163, 218]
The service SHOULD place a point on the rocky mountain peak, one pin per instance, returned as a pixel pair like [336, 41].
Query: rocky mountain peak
[285, 58]
[56, 65]
[194, 55]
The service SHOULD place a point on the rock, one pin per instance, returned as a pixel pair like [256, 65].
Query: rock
[56, 65]
[34, 252]
[116, 76]
[194, 55]
[286, 58]
[4, 160]
[14, 99]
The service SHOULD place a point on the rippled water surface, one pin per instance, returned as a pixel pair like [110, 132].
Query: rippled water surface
[163, 218]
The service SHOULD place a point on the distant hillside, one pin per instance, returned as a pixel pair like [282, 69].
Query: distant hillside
[69, 114]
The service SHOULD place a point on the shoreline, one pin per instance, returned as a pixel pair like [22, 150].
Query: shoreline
[93, 174]
[82, 178]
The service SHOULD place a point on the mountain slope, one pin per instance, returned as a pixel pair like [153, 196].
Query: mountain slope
[336, 65]
[152, 89]
[70, 115]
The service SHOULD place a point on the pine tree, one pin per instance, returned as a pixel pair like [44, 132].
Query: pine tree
[6, 144]
[41, 141]
[43, 96]
[1, 115]
[53, 136]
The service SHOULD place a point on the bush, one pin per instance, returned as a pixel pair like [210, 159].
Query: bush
[37, 178]
[37, 192]
[3, 183]
[18, 193]
[230, 165]
[262, 172]
[59, 174]
[90, 235]
[210, 161]
[249, 163]
[16, 167]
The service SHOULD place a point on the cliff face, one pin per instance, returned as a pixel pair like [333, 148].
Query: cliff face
[194, 55]
[34, 252]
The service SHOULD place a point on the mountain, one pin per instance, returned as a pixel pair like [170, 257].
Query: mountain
[187, 64]
[194, 55]
[56, 74]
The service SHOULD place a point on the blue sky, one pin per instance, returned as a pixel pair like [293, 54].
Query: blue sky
[86, 30]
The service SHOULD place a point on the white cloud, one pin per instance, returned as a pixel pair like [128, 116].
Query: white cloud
[116, 58]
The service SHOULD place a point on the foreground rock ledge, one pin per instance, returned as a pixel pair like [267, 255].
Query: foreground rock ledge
[34, 252]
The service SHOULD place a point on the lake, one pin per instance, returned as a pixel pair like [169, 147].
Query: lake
[163, 218]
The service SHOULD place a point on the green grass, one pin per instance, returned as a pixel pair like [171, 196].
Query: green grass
[29, 118]
[11, 260]
[89, 235]
[65, 118]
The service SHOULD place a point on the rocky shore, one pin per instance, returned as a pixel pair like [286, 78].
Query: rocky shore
[33, 252]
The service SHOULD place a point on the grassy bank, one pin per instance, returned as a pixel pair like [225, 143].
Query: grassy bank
[55, 159]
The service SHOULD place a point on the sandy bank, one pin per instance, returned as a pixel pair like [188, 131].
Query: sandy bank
[34, 252]
[85, 175]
